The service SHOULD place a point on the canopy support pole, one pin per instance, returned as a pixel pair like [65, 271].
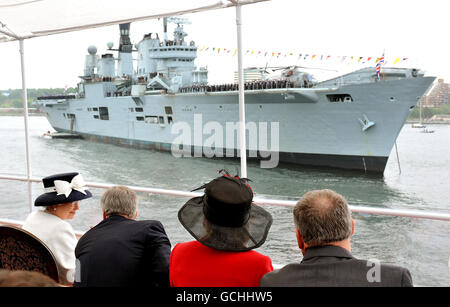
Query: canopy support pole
[242, 139]
[25, 115]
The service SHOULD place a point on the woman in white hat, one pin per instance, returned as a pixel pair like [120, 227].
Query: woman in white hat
[60, 202]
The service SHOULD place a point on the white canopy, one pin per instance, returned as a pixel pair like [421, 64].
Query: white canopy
[22, 19]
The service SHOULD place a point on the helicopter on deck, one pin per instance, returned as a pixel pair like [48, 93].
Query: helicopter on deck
[298, 75]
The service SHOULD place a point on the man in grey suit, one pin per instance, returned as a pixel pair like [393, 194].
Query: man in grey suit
[324, 227]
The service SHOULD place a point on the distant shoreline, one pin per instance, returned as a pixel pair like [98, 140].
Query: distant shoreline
[428, 122]
[20, 112]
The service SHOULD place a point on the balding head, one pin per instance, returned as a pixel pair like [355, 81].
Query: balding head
[322, 217]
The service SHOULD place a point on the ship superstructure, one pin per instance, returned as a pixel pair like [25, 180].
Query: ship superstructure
[166, 103]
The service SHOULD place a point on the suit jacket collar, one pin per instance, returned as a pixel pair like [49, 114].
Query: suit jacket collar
[113, 219]
[326, 251]
[116, 217]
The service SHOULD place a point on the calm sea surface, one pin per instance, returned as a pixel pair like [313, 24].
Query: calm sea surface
[421, 245]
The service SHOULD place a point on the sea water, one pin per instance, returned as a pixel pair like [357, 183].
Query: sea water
[419, 181]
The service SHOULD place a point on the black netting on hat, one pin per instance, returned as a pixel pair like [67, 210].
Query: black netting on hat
[243, 238]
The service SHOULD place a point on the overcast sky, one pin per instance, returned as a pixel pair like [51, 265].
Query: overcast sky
[416, 30]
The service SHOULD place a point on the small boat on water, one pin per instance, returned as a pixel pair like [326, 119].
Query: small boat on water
[418, 125]
[60, 135]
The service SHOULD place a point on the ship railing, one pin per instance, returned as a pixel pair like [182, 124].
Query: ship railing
[257, 200]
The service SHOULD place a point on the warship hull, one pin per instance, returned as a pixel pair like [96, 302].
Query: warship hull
[305, 126]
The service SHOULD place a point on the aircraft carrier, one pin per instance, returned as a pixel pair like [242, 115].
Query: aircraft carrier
[165, 102]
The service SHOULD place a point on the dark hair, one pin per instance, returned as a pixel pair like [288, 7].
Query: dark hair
[323, 216]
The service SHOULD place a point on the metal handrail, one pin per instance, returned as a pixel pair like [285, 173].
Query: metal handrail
[260, 200]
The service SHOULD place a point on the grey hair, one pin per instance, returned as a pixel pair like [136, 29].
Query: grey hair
[322, 216]
[119, 200]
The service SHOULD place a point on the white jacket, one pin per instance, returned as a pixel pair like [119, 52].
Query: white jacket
[59, 237]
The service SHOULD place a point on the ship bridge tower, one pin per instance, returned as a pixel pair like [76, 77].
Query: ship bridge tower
[175, 58]
[169, 64]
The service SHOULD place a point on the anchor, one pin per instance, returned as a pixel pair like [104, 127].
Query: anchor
[365, 122]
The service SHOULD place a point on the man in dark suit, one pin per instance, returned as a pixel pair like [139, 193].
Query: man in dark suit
[324, 227]
[120, 251]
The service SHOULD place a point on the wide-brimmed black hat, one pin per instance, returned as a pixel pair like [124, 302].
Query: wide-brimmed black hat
[62, 188]
[224, 218]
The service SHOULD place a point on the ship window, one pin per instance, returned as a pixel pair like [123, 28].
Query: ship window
[131, 110]
[339, 98]
[161, 120]
[169, 120]
[151, 119]
[70, 115]
[139, 118]
[103, 111]
[168, 110]
[95, 109]
[139, 109]
[96, 116]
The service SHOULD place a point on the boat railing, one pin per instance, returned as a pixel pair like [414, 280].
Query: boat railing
[258, 200]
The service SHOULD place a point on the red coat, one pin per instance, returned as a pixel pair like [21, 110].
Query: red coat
[193, 264]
